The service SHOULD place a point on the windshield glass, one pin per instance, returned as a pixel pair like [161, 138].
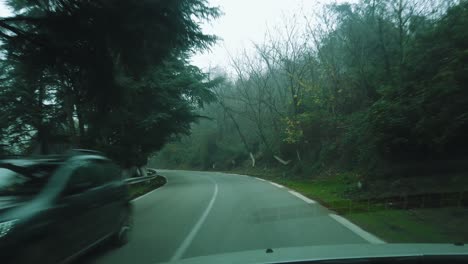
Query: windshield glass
[22, 181]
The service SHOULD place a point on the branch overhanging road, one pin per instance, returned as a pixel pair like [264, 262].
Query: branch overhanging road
[206, 213]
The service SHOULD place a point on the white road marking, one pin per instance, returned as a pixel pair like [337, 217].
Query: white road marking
[302, 197]
[233, 174]
[188, 240]
[260, 179]
[277, 185]
[357, 230]
[139, 197]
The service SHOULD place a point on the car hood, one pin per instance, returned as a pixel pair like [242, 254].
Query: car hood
[317, 253]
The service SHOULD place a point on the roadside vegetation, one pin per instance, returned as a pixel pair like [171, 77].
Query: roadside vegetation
[434, 216]
[359, 104]
[377, 88]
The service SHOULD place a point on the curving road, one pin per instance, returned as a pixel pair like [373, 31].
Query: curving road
[205, 213]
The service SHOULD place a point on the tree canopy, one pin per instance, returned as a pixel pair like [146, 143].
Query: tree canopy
[371, 86]
[111, 75]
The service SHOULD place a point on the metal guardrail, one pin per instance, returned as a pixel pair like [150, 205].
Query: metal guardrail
[151, 171]
[134, 180]
[408, 202]
[151, 175]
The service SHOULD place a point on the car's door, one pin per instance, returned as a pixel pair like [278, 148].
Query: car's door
[111, 194]
[81, 208]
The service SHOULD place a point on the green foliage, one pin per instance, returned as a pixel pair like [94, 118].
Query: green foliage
[98, 74]
[293, 131]
[382, 86]
[429, 113]
[203, 149]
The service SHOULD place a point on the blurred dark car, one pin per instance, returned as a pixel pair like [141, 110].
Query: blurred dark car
[53, 209]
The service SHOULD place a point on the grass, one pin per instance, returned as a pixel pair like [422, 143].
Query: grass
[439, 225]
[339, 193]
[325, 191]
[139, 189]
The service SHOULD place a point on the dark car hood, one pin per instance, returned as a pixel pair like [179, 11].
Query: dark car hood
[330, 253]
[9, 202]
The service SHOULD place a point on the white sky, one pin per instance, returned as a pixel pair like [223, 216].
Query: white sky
[4, 11]
[243, 22]
[247, 21]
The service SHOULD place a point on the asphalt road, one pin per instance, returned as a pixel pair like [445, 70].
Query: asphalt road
[201, 213]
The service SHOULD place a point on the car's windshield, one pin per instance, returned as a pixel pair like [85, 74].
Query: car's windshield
[23, 180]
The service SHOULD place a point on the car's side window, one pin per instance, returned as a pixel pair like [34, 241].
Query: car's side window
[109, 172]
[83, 178]
[114, 171]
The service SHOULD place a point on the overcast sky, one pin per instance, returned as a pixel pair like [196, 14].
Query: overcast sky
[246, 21]
[243, 22]
[3, 9]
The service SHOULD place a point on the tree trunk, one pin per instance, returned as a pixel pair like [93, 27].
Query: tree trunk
[252, 158]
[239, 132]
[384, 50]
[69, 110]
[81, 122]
[284, 162]
[42, 131]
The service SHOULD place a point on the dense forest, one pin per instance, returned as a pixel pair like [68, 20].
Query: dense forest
[112, 75]
[379, 87]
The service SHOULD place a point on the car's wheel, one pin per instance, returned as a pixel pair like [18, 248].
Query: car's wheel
[122, 234]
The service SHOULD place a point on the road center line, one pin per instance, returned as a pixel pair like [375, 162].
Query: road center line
[302, 197]
[188, 240]
[357, 230]
[277, 185]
